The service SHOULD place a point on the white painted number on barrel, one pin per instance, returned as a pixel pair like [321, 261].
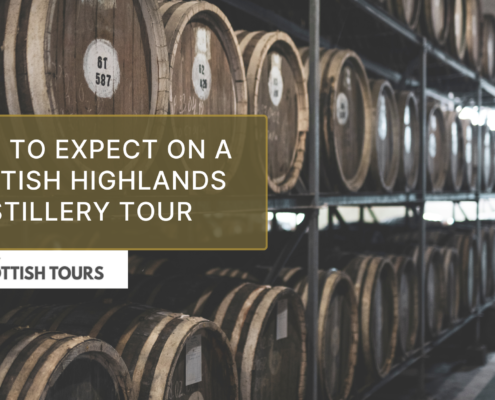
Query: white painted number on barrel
[275, 82]
[382, 117]
[342, 108]
[432, 145]
[201, 71]
[101, 68]
[455, 144]
[193, 360]
[282, 317]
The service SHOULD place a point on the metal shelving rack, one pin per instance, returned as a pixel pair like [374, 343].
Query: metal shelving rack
[310, 201]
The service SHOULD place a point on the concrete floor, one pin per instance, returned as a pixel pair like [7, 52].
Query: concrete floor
[452, 380]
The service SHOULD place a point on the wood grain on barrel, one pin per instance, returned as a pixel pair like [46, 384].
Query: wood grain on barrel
[407, 177]
[469, 134]
[473, 34]
[488, 47]
[468, 259]
[456, 155]
[346, 119]
[408, 288]
[152, 344]
[457, 32]
[435, 289]
[38, 365]
[438, 148]
[452, 280]
[436, 19]
[408, 11]
[277, 89]
[65, 57]
[375, 281]
[385, 152]
[487, 159]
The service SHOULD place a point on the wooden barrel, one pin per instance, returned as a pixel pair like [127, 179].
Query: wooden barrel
[457, 32]
[468, 258]
[232, 273]
[452, 280]
[168, 355]
[473, 34]
[89, 59]
[435, 289]
[436, 20]
[487, 159]
[385, 152]
[407, 177]
[491, 265]
[38, 365]
[376, 289]
[488, 47]
[346, 119]
[206, 70]
[456, 149]
[408, 288]
[337, 332]
[265, 326]
[470, 156]
[484, 261]
[290, 277]
[408, 11]
[437, 154]
[277, 89]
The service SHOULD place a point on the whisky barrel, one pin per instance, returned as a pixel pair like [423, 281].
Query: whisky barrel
[232, 273]
[62, 57]
[290, 277]
[39, 365]
[168, 355]
[456, 152]
[385, 151]
[346, 119]
[491, 264]
[265, 326]
[488, 47]
[473, 34]
[468, 258]
[452, 280]
[457, 32]
[471, 156]
[408, 11]
[437, 153]
[277, 89]
[484, 262]
[435, 289]
[407, 177]
[487, 159]
[206, 70]
[267, 332]
[376, 289]
[408, 288]
[436, 20]
[337, 332]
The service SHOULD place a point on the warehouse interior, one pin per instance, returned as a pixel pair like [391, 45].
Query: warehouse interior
[378, 281]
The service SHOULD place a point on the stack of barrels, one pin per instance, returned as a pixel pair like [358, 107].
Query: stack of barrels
[458, 26]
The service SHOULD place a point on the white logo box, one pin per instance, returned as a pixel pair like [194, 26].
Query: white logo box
[59, 269]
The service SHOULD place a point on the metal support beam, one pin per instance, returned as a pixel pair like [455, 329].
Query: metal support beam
[314, 187]
[422, 223]
[478, 191]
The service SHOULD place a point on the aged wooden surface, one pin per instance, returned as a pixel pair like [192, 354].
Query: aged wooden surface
[277, 89]
[456, 155]
[37, 364]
